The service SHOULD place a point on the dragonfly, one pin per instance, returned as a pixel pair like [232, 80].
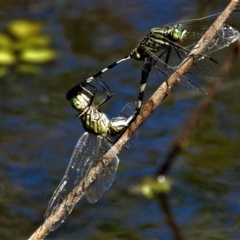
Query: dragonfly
[161, 50]
[91, 146]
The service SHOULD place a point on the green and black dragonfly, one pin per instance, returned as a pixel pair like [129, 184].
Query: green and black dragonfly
[90, 148]
[163, 49]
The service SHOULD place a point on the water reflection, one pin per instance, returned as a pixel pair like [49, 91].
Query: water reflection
[39, 129]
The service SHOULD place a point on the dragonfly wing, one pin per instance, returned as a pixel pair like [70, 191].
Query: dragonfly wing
[105, 179]
[79, 165]
[127, 114]
[128, 110]
[161, 68]
[197, 27]
[175, 54]
[224, 38]
[205, 66]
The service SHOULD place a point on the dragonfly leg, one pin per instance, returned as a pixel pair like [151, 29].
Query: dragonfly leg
[99, 73]
[107, 90]
[80, 87]
[73, 92]
[92, 94]
[144, 77]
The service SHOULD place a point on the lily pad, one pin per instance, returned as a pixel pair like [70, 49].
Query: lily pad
[151, 186]
[3, 71]
[24, 28]
[28, 69]
[5, 41]
[33, 42]
[7, 57]
[38, 56]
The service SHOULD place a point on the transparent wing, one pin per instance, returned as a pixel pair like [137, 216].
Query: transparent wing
[82, 159]
[159, 68]
[197, 27]
[128, 110]
[105, 180]
[88, 151]
[173, 56]
[127, 113]
[107, 177]
[226, 36]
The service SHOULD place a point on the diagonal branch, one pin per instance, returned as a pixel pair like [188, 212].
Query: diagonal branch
[156, 99]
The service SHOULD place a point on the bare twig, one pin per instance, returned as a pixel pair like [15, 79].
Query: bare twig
[150, 106]
[165, 206]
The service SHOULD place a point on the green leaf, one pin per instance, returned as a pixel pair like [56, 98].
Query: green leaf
[5, 41]
[38, 56]
[28, 69]
[7, 57]
[33, 42]
[24, 28]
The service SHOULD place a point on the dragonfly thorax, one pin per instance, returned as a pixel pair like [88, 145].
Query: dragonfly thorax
[95, 121]
[156, 39]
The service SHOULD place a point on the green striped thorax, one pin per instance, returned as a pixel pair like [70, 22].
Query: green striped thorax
[94, 120]
[157, 38]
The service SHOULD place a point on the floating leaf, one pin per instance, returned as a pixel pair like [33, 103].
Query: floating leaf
[151, 186]
[33, 42]
[3, 71]
[28, 69]
[5, 41]
[7, 57]
[24, 28]
[37, 55]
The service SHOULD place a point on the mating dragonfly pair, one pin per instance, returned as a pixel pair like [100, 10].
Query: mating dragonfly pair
[162, 53]
[92, 145]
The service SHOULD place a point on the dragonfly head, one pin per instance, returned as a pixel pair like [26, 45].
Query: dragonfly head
[80, 102]
[75, 90]
[178, 33]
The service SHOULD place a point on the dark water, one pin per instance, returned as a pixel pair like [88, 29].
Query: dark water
[39, 129]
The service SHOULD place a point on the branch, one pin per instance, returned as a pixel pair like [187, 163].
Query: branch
[150, 106]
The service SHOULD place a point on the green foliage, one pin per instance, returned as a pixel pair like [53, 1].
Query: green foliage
[149, 187]
[32, 55]
[23, 28]
[23, 46]
[7, 57]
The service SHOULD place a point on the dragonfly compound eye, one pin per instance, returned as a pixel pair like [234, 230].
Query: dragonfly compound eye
[178, 33]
